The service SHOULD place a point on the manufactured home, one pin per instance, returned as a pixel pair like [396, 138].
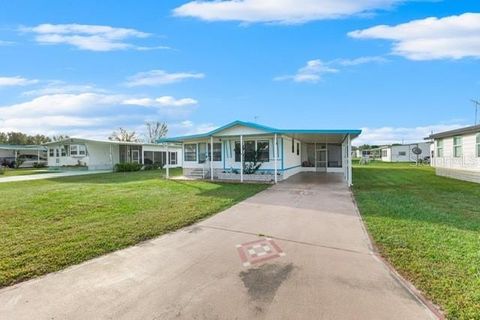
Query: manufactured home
[457, 153]
[103, 155]
[405, 152]
[29, 155]
[247, 151]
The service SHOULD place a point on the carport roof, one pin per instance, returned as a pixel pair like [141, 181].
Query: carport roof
[301, 134]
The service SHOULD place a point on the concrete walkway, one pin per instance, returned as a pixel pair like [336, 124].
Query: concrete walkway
[40, 176]
[317, 265]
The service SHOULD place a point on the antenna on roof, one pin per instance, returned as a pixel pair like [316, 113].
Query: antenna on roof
[476, 103]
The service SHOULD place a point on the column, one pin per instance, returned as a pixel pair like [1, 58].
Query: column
[241, 158]
[167, 166]
[211, 158]
[275, 157]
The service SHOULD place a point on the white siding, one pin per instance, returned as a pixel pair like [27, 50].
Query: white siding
[469, 159]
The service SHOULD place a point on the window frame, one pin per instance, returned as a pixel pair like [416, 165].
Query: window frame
[402, 153]
[172, 157]
[194, 152]
[51, 152]
[217, 151]
[477, 144]
[267, 151]
[457, 146]
[439, 148]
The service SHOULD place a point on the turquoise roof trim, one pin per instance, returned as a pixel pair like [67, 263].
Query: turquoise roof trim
[260, 127]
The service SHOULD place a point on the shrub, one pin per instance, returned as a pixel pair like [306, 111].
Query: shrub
[127, 167]
[39, 165]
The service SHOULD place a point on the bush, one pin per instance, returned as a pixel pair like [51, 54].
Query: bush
[39, 165]
[127, 167]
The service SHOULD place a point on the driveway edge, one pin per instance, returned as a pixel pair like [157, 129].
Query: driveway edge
[417, 294]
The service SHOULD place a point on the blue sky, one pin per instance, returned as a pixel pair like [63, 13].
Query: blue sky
[86, 67]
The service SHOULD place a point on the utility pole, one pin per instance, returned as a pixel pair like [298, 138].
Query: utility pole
[477, 104]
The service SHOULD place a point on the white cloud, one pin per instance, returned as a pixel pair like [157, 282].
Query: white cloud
[311, 72]
[188, 127]
[59, 87]
[160, 77]
[87, 37]
[452, 37]
[360, 60]
[390, 135]
[15, 81]
[314, 70]
[165, 101]
[282, 11]
[6, 43]
[59, 104]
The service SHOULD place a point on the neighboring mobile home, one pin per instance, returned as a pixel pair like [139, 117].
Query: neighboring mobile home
[227, 153]
[457, 153]
[103, 155]
[28, 154]
[404, 152]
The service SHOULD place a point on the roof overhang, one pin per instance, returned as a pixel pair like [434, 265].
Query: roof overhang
[451, 133]
[328, 136]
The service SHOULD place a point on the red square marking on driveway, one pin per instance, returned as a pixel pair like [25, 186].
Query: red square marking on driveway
[258, 251]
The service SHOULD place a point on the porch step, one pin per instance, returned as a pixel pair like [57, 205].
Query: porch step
[198, 174]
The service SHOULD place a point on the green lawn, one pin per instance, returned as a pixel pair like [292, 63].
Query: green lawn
[47, 225]
[428, 227]
[20, 172]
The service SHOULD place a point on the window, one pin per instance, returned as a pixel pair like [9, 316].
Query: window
[82, 150]
[384, 153]
[440, 148]
[202, 152]
[217, 151]
[74, 150]
[293, 146]
[57, 152]
[249, 151]
[457, 146]
[263, 149]
[402, 153]
[478, 145]
[148, 157]
[173, 157]
[298, 149]
[190, 152]
[51, 152]
[237, 151]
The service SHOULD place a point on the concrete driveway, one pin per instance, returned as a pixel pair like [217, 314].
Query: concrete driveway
[295, 251]
[51, 175]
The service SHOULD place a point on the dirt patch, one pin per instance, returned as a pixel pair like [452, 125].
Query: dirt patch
[263, 282]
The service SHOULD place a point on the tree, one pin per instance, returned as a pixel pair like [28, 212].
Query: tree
[60, 137]
[38, 139]
[124, 135]
[155, 130]
[17, 138]
[3, 137]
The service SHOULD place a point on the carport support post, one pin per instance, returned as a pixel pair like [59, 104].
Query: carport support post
[241, 158]
[349, 159]
[275, 156]
[211, 158]
[168, 162]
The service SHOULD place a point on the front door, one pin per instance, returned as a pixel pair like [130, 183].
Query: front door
[321, 160]
[136, 156]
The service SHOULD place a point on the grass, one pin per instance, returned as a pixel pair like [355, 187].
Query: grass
[20, 172]
[47, 225]
[428, 227]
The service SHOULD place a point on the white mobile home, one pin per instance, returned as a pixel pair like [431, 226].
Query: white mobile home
[405, 152]
[249, 151]
[103, 155]
[457, 153]
[28, 154]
